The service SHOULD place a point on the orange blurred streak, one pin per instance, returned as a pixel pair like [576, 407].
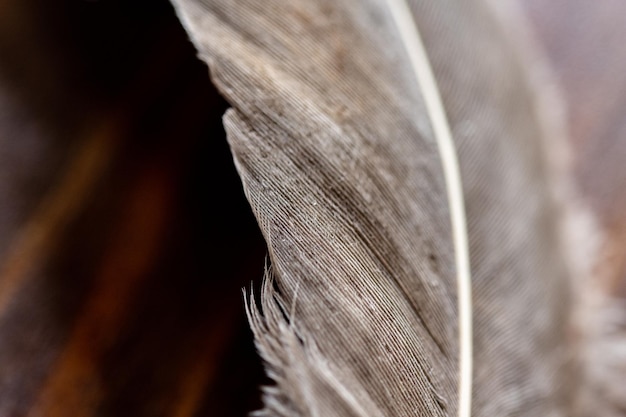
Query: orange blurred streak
[73, 388]
[57, 210]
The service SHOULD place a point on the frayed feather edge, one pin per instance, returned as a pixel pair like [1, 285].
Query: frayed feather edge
[293, 362]
[274, 338]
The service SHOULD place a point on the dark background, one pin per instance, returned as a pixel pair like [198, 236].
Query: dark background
[124, 233]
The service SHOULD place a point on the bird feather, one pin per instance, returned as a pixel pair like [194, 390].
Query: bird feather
[344, 123]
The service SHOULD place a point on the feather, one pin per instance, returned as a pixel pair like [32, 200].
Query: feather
[449, 161]
[591, 68]
[341, 150]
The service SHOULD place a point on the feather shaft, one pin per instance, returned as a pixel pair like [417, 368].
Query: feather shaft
[418, 57]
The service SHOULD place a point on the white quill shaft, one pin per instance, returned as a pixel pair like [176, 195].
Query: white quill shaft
[428, 85]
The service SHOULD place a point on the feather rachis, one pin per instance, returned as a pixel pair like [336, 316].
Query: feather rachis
[428, 85]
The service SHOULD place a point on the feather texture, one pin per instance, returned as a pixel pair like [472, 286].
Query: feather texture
[336, 142]
[419, 60]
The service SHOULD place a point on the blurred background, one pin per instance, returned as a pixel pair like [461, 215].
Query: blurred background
[584, 41]
[125, 238]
